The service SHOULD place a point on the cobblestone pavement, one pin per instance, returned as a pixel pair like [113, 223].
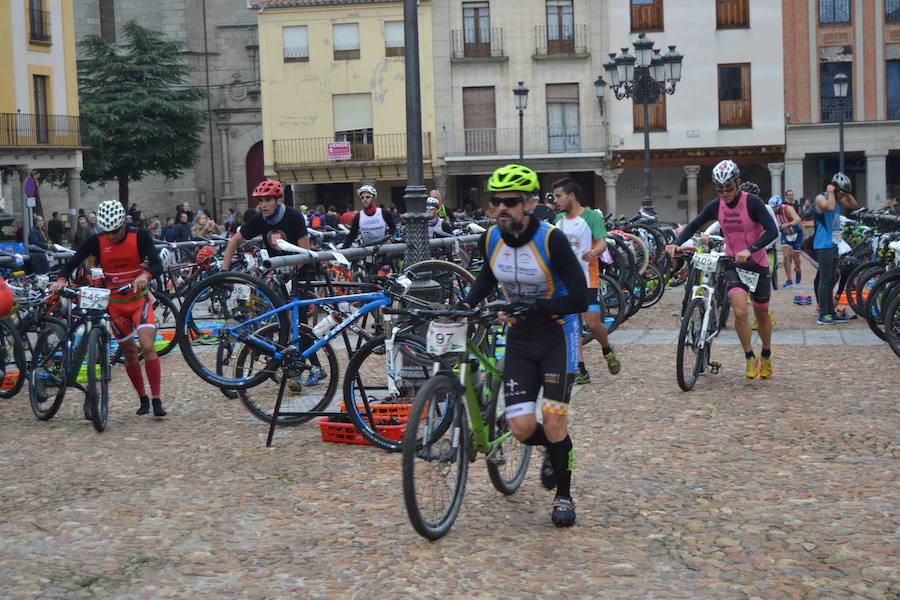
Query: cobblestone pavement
[766, 489]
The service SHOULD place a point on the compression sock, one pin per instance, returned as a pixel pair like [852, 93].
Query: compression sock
[607, 350]
[137, 378]
[154, 375]
[749, 354]
[537, 438]
[766, 352]
[562, 456]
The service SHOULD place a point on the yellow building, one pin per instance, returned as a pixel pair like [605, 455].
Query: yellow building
[333, 96]
[39, 122]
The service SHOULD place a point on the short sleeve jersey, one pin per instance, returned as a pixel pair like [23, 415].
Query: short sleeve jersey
[291, 227]
[582, 231]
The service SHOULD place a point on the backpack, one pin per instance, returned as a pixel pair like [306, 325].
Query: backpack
[316, 221]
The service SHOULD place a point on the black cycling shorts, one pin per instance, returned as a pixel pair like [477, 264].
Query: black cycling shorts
[763, 292]
[541, 357]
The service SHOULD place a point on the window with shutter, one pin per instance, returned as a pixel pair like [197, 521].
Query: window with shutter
[563, 125]
[734, 96]
[732, 14]
[295, 43]
[646, 15]
[479, 120]
[394, 41]
[346, 41]
[657, 112]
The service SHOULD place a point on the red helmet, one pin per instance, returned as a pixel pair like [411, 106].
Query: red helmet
[270, 188]
[204, 256]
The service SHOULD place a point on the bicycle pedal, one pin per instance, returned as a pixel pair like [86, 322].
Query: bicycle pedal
[714, 367]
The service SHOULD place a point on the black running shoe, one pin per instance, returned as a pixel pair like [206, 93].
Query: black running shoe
[145, 406]
[563, 514]
[158, 410]
[548, 475]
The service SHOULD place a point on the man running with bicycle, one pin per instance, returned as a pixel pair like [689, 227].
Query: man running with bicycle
[533, 264]
[748, 228]
[122, 252]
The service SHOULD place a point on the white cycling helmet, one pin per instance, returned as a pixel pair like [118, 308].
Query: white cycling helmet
[367, 188]
[775, 202]
[432, 203]
[725, 171]
[110, 215]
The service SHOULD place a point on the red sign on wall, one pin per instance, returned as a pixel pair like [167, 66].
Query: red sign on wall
[338, 150]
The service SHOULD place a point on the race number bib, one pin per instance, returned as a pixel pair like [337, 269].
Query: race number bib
[705, 262]
[91, 298]
[446, 338]
[748, 278]
[241, 292]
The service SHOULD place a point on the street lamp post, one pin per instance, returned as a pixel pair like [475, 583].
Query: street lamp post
[520, 94]
[643, 76]
[414, 196]
[840, 92]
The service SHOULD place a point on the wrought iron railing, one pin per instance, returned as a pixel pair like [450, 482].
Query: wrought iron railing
[314, 151]
[22, 130]
[478, 42]
[39, 25]
[536, 140]
[831, 109]
[556, 40]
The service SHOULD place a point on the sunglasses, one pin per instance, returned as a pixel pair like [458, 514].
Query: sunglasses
[507, 202]
[724, 188]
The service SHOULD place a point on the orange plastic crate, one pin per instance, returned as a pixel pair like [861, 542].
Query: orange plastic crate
[346, 433]
[384, 410]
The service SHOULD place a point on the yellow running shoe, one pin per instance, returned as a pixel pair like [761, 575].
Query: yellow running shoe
[765, 367]
[752, 368]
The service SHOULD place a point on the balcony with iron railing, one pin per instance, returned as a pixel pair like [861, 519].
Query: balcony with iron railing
[560, 41]
[39, 26]
[831, 109]
[536, 140]
[484, 44]
[22, 130]
[381, 148]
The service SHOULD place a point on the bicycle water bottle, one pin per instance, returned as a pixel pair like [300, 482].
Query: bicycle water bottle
[76, 337]
[325, 325]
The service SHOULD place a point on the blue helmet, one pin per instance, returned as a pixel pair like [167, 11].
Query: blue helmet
[775, 202]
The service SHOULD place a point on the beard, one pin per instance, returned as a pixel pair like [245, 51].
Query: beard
[512, 226]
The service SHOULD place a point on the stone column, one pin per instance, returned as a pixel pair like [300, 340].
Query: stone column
[876, 179]
[793, 177]
[73, 183]
[226, 161]
[693, 200]
[776, 170]
[610, 177]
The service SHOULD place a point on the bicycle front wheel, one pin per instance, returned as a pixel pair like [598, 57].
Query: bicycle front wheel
[507, 464]
[221, 302]
[12, 359]
[98, 377]
[368, 399]
[435, 458]
[47, 379]
[690, 353]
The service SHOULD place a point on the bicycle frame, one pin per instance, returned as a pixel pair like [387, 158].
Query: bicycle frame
[710, 296]
[373, 300]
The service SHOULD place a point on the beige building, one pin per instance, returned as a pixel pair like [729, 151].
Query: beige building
[728, 104]
[860, 39]
[333, 97]
[482, 50]
[39, 122]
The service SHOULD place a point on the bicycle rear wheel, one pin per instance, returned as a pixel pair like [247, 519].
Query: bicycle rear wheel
[47, 379]
[507, 465]
[310, 390]
[690, 355]
[435, 459]
[98, 368]
[892, 323]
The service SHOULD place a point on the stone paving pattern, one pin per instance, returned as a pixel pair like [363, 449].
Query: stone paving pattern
[740, 489]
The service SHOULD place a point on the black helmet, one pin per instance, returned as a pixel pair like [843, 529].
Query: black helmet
[750, 188]
[842, 182]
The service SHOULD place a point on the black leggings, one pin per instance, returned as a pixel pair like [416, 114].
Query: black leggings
[825, 277]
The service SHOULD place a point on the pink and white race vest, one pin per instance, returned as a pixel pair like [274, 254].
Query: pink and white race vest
[740, 231]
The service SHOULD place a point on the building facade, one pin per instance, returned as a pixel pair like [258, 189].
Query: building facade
[861, 40]
[333, 97]
[222, 49]
[482, 50]
[39, 123]
[728, 104]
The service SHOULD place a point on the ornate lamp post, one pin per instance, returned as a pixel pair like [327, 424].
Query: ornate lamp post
[840, 92]
[520, 94]
[643, 76]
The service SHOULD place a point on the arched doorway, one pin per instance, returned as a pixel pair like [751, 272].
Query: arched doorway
[253, 166]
